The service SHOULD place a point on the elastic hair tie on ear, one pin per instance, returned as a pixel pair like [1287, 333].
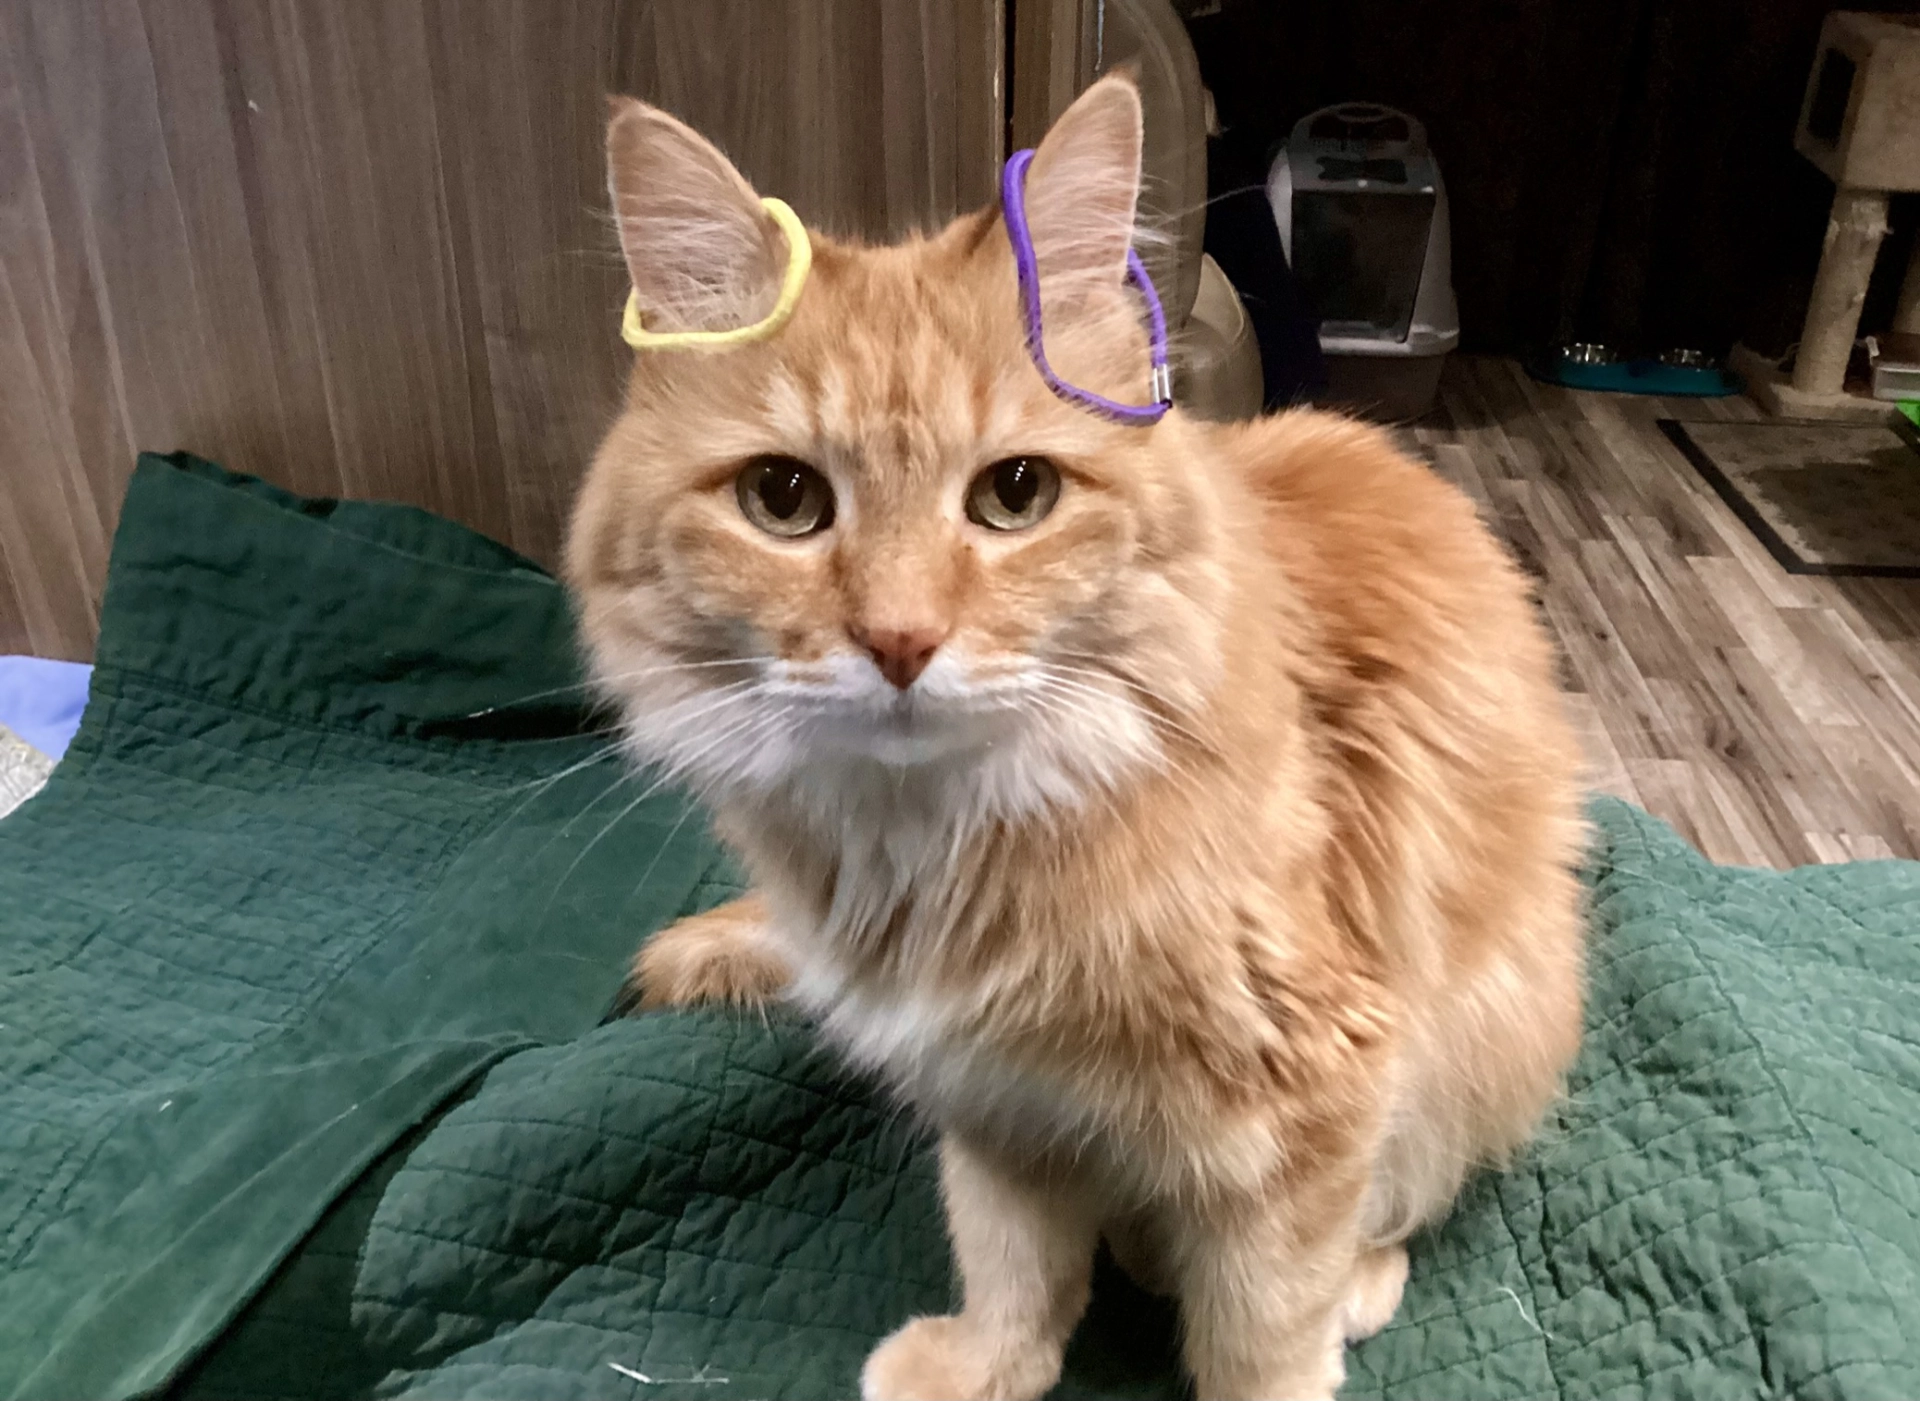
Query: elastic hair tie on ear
[1013, 209]
[799, 263]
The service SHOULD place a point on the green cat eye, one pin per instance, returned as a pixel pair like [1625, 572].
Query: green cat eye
[784, 497]
[1013, 493]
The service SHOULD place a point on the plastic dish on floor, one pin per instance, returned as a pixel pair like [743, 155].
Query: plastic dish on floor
[1684, 374]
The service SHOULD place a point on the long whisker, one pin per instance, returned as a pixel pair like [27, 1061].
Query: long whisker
[1059, 703]
[744, 744]
[1151, 705]
[665, 842]
[1067, 676]
[598, 837]
[540, 786]
[599, 755]
[766, 722]
[666, 777]
[1109, 673]
[1082, 697]
[679, 769]
[1065, 699]
[620, 780]
[613, 679]
[714, 700]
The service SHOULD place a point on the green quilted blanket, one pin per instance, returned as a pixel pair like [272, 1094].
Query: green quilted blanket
[305, 1091]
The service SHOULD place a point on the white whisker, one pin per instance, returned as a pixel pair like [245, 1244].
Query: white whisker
[669, 775]
[602, 683]
[1085, 696]
[600, 755]
[1156, 711]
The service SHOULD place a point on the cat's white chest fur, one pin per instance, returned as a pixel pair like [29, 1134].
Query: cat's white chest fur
[923, 1047]
[926, 1046]
[907, 1040]
[899, 852]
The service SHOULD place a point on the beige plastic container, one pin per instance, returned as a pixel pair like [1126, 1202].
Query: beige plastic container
[1216, 358]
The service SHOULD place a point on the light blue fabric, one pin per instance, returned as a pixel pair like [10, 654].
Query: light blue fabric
[41, 700]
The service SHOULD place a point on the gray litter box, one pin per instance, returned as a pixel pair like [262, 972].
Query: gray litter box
[1362, 213]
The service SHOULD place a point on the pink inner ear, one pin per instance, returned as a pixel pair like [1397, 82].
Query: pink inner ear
[700, 250]
[1084, 187]
[1026, 265]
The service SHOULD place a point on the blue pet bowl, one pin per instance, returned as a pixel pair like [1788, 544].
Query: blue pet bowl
[1679, 374]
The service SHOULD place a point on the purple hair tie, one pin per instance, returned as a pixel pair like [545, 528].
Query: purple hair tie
[1013, 200]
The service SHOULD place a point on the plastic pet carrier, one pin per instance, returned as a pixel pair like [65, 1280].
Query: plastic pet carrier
[1362, 213]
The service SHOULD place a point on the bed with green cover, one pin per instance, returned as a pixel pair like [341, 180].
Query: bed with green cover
[307, 1088]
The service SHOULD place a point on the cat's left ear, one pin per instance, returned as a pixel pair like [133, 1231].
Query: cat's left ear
[1084, 185]
[703, 253]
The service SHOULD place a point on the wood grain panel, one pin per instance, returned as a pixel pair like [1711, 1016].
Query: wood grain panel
[359, 249]
[1054, 57]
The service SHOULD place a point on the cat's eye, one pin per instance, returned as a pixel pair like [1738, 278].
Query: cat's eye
[1013, 493]
[784, 497]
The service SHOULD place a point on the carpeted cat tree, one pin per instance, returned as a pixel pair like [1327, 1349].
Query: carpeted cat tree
[1860, 124]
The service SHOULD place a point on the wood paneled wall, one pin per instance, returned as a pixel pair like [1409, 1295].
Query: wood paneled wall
[360, 248]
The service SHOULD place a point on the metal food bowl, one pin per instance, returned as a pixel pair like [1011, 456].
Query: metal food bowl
[1588, 353]
[1682, 358]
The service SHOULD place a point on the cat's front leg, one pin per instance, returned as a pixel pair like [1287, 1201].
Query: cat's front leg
[723, 955]
[1024, 1248]
[1269, 1294]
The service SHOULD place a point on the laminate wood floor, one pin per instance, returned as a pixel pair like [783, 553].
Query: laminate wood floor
[1773, 718]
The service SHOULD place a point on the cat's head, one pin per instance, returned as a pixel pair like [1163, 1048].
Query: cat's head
[875, 542]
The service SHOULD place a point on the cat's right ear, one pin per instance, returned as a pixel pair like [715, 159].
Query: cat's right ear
[1083, 186]
[701, 251]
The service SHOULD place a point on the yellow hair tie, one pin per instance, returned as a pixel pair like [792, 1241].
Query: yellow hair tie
[799, 263]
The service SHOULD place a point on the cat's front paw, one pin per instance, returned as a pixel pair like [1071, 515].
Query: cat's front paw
[940, 1359]
[720, 956]
[1379, 1278]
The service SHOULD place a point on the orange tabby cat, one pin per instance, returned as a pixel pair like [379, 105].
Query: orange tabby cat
[1179, 817]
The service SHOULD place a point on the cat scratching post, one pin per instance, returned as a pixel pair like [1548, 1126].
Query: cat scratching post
[1860, 124]
[1854, 231]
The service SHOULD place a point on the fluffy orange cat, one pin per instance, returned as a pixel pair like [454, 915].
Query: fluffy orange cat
[1179, 817]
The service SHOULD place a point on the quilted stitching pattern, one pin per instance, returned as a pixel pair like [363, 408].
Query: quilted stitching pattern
[792, 1193]
[300, 878]
[283, 897]
[1726, 1204]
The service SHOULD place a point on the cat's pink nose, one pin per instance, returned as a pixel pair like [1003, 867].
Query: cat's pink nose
[900, 653]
